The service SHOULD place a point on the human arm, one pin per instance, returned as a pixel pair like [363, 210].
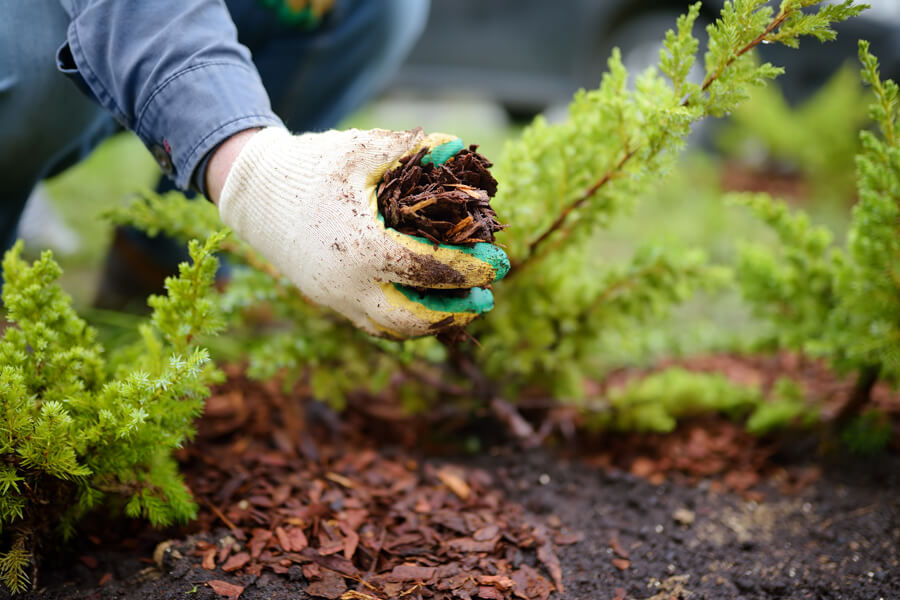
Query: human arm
[302, 201]
[172, 71]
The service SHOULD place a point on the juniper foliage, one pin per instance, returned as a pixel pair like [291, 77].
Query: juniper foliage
[73, 434]
[841, 303]
[560, 184]
[658, 401]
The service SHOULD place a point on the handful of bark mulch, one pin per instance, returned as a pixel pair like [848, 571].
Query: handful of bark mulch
[345, 521]
[445, 204]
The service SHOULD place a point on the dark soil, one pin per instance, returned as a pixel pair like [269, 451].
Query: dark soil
[621, 521]
[445, 204]
[838, 538]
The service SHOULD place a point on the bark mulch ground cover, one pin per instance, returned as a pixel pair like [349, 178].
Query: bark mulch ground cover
[445, 204]
[297, 501]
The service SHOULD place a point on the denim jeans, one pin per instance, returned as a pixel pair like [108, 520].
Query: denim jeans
[313, 79]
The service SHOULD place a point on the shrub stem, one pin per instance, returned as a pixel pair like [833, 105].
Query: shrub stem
[866, 379]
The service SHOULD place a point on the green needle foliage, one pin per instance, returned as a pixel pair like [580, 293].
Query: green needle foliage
[840, 303]
[75, 433]
[560, 184]
[656, 403]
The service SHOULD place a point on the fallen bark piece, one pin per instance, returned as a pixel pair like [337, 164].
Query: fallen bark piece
[259, 540]
[223, 588]
[470, 545]
[567, 538]
[225, 546]
[445, 204]
[351, 541]
[499, 581]
[450, 477]
[490, 593]
[236, 562]
[338, 564]
[283, 540]
[331, 586]
[209, 559]
[487, 532]
[409, 572]
[618, 548]
[530, 585]
[547, 555]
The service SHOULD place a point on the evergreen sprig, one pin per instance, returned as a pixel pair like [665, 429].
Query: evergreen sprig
[790, 285]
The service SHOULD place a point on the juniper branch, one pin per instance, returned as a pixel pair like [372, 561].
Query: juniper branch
[790, 12]
[776, 22]
[567, 211]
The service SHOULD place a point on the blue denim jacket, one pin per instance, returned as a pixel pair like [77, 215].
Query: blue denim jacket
[172, 71]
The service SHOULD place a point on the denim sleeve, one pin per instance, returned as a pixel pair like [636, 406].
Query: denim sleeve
[172, 71]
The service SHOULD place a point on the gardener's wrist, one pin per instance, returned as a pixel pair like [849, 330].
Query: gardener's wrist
[222, 159]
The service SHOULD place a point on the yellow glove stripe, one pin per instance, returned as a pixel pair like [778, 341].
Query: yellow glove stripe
[426, 315]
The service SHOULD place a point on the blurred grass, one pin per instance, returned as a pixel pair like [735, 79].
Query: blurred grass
[685, 209]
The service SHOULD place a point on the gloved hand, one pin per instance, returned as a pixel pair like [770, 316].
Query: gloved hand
[307, 203]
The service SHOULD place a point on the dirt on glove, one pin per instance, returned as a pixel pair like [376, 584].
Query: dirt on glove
[445, 204]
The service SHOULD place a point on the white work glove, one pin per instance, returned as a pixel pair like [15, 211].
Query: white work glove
[307, 203]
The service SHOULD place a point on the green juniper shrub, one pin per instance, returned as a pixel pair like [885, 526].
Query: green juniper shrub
[841, 303]
[75, 434]
[560, 184]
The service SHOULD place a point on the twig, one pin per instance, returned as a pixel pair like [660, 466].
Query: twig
[561, 218]
[628, 281]
[515, 423]
[750, 46]
[850, 515]
[238, 533]
[859, 396]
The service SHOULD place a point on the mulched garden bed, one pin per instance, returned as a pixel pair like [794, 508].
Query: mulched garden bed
[298, 502]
